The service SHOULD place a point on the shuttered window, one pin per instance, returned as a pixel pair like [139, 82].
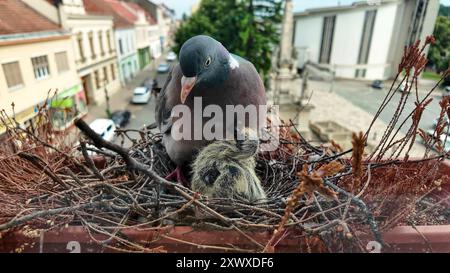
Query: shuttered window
[61, 61]
[12, 74]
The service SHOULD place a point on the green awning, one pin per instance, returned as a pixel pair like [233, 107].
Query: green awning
[62, 103]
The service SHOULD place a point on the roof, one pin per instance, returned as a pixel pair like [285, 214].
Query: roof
[344, 8]
[122, 16]
[136, 8]
[17, 17]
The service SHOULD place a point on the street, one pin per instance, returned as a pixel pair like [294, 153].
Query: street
[141, 114]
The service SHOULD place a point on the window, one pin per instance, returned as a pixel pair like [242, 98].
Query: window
[80, 47]
[97, 79]
[113, 72]
[327, 39]
[40, 67]
[108, 38]
[100, 40]
[13, 74]
[120, 46]
[105, 74]
[61, 61]
[91, 44]
[366, 40]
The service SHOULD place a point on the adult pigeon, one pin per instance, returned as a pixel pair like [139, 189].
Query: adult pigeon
[208, 71]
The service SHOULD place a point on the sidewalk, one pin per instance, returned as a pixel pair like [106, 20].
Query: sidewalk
[121, 99]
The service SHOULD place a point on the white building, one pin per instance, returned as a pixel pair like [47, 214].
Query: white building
[147, 36]
[124, 34]
[127, 53]
[164, 17]
[364, 40]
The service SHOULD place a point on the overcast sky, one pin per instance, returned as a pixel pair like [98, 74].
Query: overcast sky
[181, 6]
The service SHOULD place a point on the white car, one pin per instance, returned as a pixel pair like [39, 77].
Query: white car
[447, 89]
[171, 57]
[104, 127]
[141, 95]
[163, 68]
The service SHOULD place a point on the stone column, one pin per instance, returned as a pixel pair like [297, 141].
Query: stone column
[286, 36]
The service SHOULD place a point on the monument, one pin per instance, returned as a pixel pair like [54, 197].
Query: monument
[286, 88]
[285, 83]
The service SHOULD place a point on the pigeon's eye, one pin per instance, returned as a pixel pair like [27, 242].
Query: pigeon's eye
[208, 61]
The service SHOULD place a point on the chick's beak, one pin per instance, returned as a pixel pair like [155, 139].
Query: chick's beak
[187, 83]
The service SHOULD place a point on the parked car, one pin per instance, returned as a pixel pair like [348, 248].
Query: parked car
[377, 84]
[104, 127]
[163, 68]
[171, 57]
[121, 118]
[447, 89]
[141, 95]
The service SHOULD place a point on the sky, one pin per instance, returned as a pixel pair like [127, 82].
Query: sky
[181, 6]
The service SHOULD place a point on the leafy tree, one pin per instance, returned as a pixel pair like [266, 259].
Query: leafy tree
[444, 11]
[248, 28]
[439, 54]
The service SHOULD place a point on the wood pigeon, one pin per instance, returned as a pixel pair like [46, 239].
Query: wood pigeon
[206, 71]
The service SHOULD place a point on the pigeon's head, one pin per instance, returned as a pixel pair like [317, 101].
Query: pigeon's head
[204, 63]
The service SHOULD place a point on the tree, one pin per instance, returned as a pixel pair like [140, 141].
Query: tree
[444, 11]
[248, 28]
[439, 55]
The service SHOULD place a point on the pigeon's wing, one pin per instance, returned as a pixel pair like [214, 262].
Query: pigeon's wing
[167, 99]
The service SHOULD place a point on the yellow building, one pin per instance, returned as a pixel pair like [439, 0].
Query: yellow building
[37, 57]
[93, 42]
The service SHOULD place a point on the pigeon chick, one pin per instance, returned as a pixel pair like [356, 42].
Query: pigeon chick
[226, 169]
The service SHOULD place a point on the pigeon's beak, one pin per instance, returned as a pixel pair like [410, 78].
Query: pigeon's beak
[187, 83]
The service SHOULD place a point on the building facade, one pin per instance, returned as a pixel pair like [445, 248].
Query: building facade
[43, 64]
[124, 34]
[93, 41]
[127, 54]
[144, 27]
[165, 22]
[363, 40]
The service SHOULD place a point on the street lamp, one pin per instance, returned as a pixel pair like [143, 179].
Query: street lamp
[108, 108]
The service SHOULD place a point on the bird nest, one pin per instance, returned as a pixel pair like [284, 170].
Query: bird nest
[336, 200]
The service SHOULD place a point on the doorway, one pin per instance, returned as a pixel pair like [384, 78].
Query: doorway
[87, 89]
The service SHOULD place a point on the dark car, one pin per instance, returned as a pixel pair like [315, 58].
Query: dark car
[121, 118]
[149, 82]
[377, 84]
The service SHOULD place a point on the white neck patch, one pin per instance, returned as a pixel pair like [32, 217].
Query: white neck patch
[233, 62]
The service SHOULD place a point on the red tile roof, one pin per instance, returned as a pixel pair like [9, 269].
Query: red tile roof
[138, 8]
[17, 17]
[122, 16]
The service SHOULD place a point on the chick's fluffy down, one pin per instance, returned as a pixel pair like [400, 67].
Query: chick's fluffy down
[226, 169]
